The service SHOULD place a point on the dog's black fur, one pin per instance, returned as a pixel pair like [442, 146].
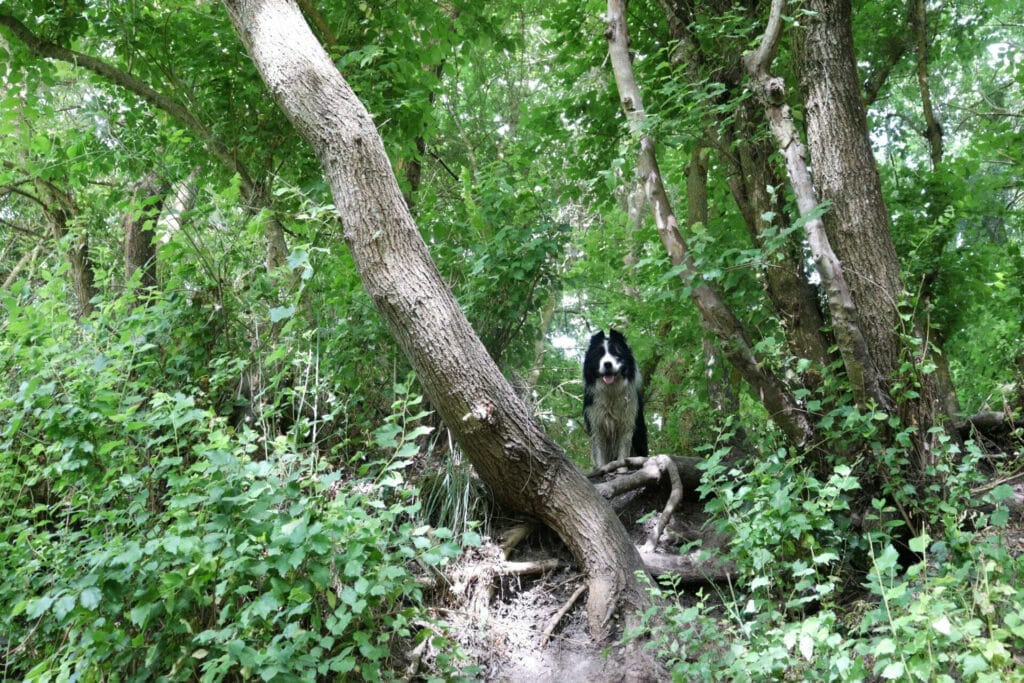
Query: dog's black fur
[613, 403]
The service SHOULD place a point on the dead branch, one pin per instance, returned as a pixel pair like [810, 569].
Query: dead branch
[688, 568]
[553, 623]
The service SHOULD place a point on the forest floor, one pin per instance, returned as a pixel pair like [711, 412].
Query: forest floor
[524, 619]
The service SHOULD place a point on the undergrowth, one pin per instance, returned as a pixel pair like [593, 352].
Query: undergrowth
[817, 597]
[146, 537]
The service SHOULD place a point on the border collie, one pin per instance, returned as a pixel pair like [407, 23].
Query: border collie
[613, 404]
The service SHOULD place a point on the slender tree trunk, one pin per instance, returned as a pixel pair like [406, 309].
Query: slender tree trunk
[523, 468]
[140, 230]
[747, 153]
[716, 314]
[933, 130]
[864, 378]
[59, 207]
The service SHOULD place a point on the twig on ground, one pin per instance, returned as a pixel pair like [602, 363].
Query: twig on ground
[553, 624]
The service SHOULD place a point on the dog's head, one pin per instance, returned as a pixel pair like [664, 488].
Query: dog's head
[608, 358]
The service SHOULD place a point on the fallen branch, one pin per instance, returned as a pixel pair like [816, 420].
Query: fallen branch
[688, 568]
[553, 623]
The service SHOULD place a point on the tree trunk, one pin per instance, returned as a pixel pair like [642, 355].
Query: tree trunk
[523, 468]
[140, 230]
[860, 370]
[857, 224]
[59, 207]
[846, 175]
[747, 154]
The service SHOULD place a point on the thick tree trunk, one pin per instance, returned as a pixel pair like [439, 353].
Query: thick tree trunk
[523, 468]
[860, 370]
[857, 224]
[846, 175]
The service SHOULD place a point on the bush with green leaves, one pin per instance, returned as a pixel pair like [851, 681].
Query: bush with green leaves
[146, 538]
[800, 609]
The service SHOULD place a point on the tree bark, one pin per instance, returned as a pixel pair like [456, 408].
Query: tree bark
[523, 468]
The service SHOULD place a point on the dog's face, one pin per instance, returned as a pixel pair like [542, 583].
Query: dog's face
[607, 358]
[609, 367]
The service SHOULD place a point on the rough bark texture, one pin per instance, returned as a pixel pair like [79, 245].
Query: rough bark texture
[846, 175]
[524, 469]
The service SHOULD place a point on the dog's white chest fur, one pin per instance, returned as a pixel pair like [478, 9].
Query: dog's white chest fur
[612, 417]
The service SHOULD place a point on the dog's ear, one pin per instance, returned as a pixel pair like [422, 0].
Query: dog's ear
[615, 334]
[597, 338]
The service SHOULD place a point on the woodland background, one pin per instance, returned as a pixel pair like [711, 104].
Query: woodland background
[217, 464]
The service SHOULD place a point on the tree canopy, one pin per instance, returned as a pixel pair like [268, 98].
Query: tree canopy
[806, 217]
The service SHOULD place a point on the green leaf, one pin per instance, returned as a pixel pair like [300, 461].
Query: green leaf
[279, 313]
[90, 598]
[893, 671]
[919, 544]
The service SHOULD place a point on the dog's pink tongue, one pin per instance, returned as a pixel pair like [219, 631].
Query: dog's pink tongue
[608, 379]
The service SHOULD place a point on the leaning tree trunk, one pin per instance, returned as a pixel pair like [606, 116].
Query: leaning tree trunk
[521, 465]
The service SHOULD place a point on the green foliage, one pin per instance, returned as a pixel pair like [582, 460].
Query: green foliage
[955, 613]
[215, 485]
[787, 528]
[146, 536]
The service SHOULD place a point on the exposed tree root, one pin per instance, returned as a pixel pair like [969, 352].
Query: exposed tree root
[649, 471]
[688, 568]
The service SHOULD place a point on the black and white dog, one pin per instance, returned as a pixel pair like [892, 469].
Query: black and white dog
[613, 404]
